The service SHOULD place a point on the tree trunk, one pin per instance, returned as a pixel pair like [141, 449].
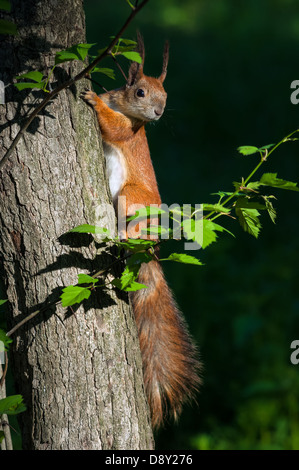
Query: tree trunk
[79, 371]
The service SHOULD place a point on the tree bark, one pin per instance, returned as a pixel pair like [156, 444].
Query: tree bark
[80, 372]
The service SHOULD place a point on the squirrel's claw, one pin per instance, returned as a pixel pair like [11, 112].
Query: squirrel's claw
[89, 96]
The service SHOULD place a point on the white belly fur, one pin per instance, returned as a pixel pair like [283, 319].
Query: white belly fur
[116, 170]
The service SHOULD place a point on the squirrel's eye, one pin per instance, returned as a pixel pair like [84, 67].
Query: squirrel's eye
[140, 93]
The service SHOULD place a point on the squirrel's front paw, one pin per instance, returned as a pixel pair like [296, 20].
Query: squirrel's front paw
[89, 96]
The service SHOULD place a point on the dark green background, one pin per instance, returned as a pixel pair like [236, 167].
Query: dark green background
[230, 70]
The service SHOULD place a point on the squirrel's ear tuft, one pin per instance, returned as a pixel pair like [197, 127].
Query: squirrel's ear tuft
[140, 47]
[136, 69]
[165, 62]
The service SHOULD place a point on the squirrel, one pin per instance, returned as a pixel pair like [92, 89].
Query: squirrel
[170, 365]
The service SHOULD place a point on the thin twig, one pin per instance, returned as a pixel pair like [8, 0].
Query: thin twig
[119, 67]
[96, 83]
[36, 312]
[7, 433]
[29, 317]
[70, 82]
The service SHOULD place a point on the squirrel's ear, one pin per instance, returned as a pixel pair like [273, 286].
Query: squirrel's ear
[135, 73]
[136, 69]
[165, 62]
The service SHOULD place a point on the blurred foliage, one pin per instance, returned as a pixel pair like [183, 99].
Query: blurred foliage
[231, 66]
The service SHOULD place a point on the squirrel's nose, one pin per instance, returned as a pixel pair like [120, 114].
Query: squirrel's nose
[158, 112]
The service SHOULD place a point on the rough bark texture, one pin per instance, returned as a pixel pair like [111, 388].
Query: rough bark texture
[80, 372]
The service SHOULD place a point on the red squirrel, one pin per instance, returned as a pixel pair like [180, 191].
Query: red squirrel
[170, 365]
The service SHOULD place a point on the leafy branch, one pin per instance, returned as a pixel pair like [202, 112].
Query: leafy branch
[264, 155]
[108, 51]
[80, 52]
[247, 200]
[197, 225]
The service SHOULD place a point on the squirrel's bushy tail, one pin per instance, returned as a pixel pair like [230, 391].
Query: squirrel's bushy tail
[170, 366]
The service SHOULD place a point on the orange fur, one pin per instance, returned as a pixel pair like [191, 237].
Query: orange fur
[169, 357]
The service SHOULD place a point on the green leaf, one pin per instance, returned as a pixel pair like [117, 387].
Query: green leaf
[254, 185]
[128, 276]
[86, 228]
[249, 220]
[5, 5]
[148, 211]
[82, 49]
[76, 52]
[65, 56]
[133, 55]
[182, 258]
[108, 72]
[219, 228]
[131, 287]
[127, 281]
[192, 230]
[270, 179]
[247, 150]
[86, 279]
[4, 341]
[248, 203]
[270, 208]
[24, 85]
[237, 185]
[131, 270]
[209, 232]
[125, 41]
[34, 75]
[206, 233]
[222, 193]
[74, 295]
[135, 286]
[119, 50]
[7, 27]
[215, 208]
[157, 230]
[136, 244]
[121, 283]
[128, 42]
[138, 258]
[265, 147]
[12, 405]
[3, 301]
